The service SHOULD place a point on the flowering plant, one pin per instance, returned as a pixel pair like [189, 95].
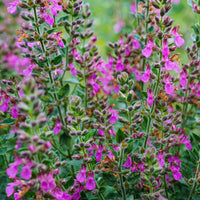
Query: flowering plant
[77, 126]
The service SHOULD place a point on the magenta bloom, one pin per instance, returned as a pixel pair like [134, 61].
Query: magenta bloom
[128, 162]
[81, 177]
[26, 172]
[179, 41]
[168, 86]
[21, 93]
[146, 76]
[57, 128]
[14, 111]
[119, 65]
[184, 140]
[150, 98]
[4, 106]
[175, 167]
[12, 8]
[148, 48]
[165, 50]
[160, 158]
[118, 26]
[136, 44]
[114, 116]
[183, 79]
[90, 183]
[58, 38]
[101, 132]
[73, 69]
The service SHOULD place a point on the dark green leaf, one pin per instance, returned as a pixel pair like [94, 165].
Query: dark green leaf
[63, 91]
[57, 60]
[120, 136]
[8, 121]
[51, 30]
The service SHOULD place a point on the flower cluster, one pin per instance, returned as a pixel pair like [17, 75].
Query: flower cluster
[79, 126]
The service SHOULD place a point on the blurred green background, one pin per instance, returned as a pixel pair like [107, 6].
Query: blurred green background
[106, 14]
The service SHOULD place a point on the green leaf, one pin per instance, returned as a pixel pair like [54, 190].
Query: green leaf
[189, 2]
[63, 91]
[196, 30]
[51, 30]
[57, 60]
[120, 136]
[74, 81]
[65, 18]
[109, 178]
[8, 121]
[65, 141]
[150, 29]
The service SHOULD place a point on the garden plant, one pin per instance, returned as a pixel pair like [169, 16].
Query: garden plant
[77, 122]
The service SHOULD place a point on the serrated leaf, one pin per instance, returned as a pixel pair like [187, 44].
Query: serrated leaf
[51, 30]
[120, 136]
[74, 81]
[57, 60]
[65, 18]
[8, 121]
[63, 91]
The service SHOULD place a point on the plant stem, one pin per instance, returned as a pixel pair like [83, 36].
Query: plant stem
[153, 106]
[195, 181]
[146, 31]
[121, 176]
[165, 185]
[49, 66]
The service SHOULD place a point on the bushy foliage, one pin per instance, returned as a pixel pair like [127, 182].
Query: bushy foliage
[74, 125]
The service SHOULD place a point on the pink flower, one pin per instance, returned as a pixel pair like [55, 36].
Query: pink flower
[14, 111]
[165, 50]
[146, 76]
[119, 65]
[57, 128]
[10, 189]
[49, 19]
[26, 172]
[4, 106]
[58, 38]
[179, 41]
[114, 116]
[118, 26]
[175, 167]
[148, 48]
[12, 8]
[73, 69]
[90, 183]
[150, 98]
[13, 169]
[183, 80]
[81, 177]
[160, 158]
[128, 162]
[101, 132]
[136, 44]
[21, 93]
[47, 182]
[168, 86]
[133, 7]
[184, 140]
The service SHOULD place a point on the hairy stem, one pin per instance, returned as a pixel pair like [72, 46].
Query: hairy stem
[192, 192]
[121, 176]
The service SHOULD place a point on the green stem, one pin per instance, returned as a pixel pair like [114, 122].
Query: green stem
[153, 106]
[165, 185]
[146, 31]
[49, 66]
[121, 176]
[195, 181]
[185, 106]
